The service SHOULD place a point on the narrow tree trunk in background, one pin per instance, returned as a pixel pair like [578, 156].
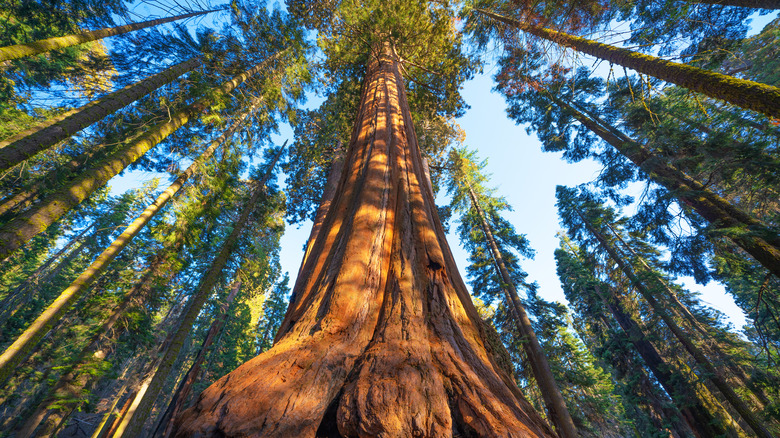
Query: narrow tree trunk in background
[710, 344]
[741, 92]
[762, 242]
[41, 46]
[553, 400]
[24, 197]
[23, 292]
[11, 357]
[48, 133]
[698, 417]
[383, 338]
[165, 425]
[712, 374]
[18, 231]
[132, 425]
[71, 383]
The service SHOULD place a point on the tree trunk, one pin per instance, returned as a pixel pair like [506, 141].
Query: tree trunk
[132, 426]
[685, 397]
[741, 92]
[48, 133]
[24, 197]
[710, 344]
[762, 242]
[22, 293]
[382, 339]
[165, 425]
[553, 400]
[73, 381]
[41, 46]
[11, 357]
[16, 232]
[712, 374]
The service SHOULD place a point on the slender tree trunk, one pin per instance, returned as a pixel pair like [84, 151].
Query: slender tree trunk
[762, 242]
[710, 344]
[11, 357]
[132, 425]
[15, 298]
[741, 92]
[713, 375]
[41, 46]
[16, 232]
[24, 197]
[758, 4]
[553, 400]
[685, 397]
[48, 133]
[165, 425]
[382, 339]
[72, 382]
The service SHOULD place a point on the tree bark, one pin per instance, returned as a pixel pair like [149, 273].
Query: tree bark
[761, 241]
[382, 339]
[16, 232]
[553, 400]
[41, 46]
[14, 353]
[48, 133]
[741, 92]
[132, 425]
[712, 374]
[165, 425]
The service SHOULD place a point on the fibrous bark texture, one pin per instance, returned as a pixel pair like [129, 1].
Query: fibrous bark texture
[381, 337]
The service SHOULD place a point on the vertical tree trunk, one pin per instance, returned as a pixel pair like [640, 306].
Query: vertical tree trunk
[688, 401]
[48, 133]
[741, 92]
[34, 48]
[165, 425]
[132, 425]
[710, 344]
[13, 354]
[382, 339]
[713, 374]
[553, 400]
[16, 232]
[760, 241]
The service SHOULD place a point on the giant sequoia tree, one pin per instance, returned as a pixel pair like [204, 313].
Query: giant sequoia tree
[382, 336]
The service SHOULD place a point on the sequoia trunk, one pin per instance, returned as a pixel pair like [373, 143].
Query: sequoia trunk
[382, 338]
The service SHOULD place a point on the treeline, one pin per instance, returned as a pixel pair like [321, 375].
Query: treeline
[117, 310]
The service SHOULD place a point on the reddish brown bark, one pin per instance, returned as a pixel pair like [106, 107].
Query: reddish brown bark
[382, 339]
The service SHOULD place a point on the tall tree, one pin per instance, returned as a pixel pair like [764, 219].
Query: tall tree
[465, 182]
[34, 48]
[380, 264]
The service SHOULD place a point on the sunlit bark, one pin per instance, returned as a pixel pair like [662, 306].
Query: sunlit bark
[382, 338]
